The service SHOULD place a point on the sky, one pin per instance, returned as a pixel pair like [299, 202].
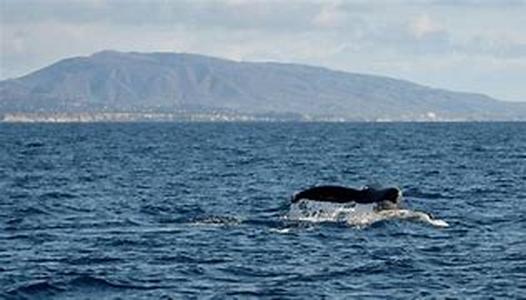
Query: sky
[464, 45]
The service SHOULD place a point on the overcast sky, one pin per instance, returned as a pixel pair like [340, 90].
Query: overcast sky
[466, 45]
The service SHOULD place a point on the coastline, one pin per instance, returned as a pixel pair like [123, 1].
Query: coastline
[130, 117]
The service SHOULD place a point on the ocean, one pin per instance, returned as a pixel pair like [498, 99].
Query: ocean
[202, 210]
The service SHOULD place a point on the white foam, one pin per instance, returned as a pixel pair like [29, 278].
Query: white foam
[282, 231]
[315, 211]
[359, 215]
[216, 221]
[405, 214]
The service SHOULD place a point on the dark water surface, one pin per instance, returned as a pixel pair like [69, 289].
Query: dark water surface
[147, 211]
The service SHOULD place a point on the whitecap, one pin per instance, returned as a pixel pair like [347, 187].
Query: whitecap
[280, 230]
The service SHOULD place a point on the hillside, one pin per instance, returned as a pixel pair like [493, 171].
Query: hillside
[118, 82]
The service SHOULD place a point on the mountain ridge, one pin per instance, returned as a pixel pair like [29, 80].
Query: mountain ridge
[164, 82]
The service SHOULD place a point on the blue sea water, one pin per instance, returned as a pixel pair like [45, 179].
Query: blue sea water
[198, 210]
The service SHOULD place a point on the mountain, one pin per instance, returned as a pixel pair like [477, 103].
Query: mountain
[117, 82]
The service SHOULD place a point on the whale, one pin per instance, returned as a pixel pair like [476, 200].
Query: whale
[359, 207]
[385, 197]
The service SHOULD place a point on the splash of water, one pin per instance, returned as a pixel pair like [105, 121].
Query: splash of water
[354, 214]
[315, 211]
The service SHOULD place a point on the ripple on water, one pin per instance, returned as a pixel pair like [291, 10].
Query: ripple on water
[153, 211]
[35, 289]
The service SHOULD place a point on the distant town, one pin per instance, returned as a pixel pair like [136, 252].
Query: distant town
[91, 117]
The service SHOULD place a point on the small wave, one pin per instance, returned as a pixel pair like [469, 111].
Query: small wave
[89, 281]
[281, 230]
[163, 209]
[417, 193]
[518, 156]
[251, 271]
[92, 281]
[35, 144]
[92, 260]
[36, 288]
[37, 237]
[187, 259]
[57, 195]
[31, 211]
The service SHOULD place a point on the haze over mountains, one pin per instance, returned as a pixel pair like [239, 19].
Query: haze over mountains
[111, 82]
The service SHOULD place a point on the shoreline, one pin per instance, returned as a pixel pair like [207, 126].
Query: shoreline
[169, 117]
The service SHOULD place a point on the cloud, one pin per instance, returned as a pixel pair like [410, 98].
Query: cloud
[229, 14]
[498, 47]
[479, 3]
[423, 25]
[330, 15]
[382, 37]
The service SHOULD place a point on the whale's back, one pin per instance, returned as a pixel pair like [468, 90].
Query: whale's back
[340, 194]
